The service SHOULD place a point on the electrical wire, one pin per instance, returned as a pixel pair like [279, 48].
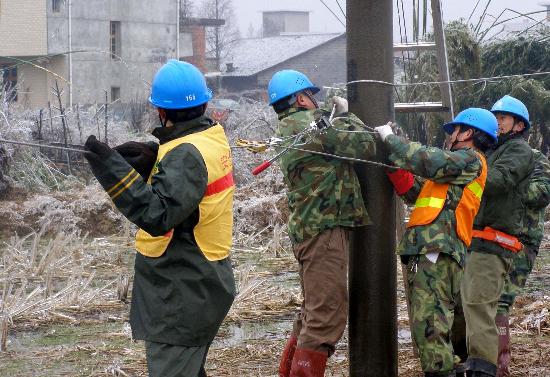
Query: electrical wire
[428, 83]
[379, 164]
[334, 14]
[46, 146]
[342, 9]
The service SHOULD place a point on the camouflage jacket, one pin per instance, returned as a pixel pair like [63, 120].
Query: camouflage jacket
[458, 168]
[502, 208]
[323, 192]
[536, 198]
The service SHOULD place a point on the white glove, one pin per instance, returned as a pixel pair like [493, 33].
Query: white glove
[384, 131]
[341, 105]
[432, 256]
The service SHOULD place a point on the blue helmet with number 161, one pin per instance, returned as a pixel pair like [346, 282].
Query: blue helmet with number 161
[179, 85]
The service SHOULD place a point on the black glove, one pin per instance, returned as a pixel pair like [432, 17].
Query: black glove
[141, 156]
[96, 152]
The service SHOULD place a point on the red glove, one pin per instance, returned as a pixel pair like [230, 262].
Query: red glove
[401, 179]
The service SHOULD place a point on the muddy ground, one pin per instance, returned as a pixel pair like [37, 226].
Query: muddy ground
[91, 337]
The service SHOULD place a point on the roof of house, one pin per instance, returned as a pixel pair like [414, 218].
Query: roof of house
[193, 21]
[253, 55]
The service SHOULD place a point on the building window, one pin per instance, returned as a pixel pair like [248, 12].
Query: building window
[115, 40]
[56, 6]
[9, 82]
[115, 93]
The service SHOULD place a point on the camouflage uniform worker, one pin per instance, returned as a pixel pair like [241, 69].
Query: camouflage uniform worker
[183, 285]
[439, 229]
[325, 202]
[535, 199]
[496, 230]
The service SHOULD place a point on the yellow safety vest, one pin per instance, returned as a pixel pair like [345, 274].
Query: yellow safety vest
[214, 229]
[431, 200]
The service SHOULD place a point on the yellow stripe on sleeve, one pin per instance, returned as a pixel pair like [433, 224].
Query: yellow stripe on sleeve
[133, 171]
[125, 187]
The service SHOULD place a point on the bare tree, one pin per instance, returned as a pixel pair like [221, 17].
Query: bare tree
[220, 38]
[186, 8]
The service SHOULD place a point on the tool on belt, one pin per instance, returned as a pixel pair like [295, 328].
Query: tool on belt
[504, 240]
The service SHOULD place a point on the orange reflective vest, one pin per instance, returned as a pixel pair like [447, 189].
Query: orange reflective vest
[214, 229]
[431, 200]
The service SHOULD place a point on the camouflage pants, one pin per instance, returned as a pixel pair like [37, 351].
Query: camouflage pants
[434, 290]
[522, 265]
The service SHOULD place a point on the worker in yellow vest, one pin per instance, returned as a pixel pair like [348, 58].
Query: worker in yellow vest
[446, 191]
[181, 199]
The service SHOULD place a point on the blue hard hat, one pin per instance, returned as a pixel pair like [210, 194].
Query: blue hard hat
[512, 106]
[179, 85]
[287, 82]
[481, 119]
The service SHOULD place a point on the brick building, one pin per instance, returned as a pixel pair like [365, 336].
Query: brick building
[193, 40]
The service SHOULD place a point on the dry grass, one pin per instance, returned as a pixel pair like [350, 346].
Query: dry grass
[47, 279]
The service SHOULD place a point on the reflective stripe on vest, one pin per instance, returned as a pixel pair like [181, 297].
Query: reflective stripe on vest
[213, 232]
[431, 202]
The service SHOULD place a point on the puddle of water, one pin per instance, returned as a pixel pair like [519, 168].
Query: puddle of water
[404, 336]
[235, 335]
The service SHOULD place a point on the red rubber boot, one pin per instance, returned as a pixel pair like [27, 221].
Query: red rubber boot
[287, 356]
[308, 363]
[504, 355]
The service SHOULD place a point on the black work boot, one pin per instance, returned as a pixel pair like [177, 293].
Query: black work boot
[476, 367]
[440, 374]
[460, 371]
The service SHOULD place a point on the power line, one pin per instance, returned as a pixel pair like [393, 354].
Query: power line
[339, 6]
[427, 83]
[334, 14]
[44, 146]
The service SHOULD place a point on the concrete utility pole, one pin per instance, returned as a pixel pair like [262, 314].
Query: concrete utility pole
[373, 309]
[70, 42]
[217, 39]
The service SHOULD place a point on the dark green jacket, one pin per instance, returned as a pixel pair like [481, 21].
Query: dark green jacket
[323, 192]
[458, 168]
[536, 198]
[179, 298]
[502, 207]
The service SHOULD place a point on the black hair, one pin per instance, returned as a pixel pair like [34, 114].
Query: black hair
[481, 139]
[184, 115]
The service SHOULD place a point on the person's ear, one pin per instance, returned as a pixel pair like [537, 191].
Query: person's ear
[162, 113]
[519, 126]
[301, 99]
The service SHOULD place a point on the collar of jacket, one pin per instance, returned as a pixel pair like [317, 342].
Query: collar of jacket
[509, 136]
[293, 110]
[166, 134]
[288, 112]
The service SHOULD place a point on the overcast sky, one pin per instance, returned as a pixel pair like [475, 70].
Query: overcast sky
[321, 20]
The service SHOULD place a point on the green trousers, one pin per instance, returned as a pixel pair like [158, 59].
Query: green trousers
[434, 290]
[166, 360]
[522, 265]
[482, 285]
